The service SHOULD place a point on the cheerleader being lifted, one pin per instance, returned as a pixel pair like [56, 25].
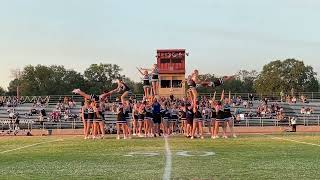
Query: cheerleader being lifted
[194, 82]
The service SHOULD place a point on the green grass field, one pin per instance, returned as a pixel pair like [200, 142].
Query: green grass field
[281, 156]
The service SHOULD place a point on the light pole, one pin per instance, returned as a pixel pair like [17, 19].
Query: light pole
[16, 73]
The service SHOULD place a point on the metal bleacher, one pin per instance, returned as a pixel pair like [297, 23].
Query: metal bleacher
[33, 122]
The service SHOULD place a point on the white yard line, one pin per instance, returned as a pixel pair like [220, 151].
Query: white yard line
[31, 145]
[300, 142]
[168, 167]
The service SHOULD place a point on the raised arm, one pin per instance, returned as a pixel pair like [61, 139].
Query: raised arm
[145, 69]
[222, 96]
[140, 71]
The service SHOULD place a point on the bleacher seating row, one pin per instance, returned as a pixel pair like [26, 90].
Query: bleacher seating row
[33, 121]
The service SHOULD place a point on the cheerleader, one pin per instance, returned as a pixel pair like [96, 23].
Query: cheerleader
[156, 113]
[189, 117]
[95, 119]
[91, 117]
[148, 121]
[206, 114]
[165, 113]
[92, 97]
[84, 116]
[194, 81]
[183, 119]
[122, 89]
[100, 120]
[220, 119]
[197, 124]
[174, 118]
[146, 82]
[121, 122]
[228, 115]
[213, 118]
[154, 79]
[141, 117]
[135, 117]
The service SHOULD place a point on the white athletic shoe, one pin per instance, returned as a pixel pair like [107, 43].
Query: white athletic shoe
[192, 137]
[118, 137]
[202, 137]
[225, 137]
[235, 136]
[125, 137]
[134, 134]
[214, 137]
[76, 91]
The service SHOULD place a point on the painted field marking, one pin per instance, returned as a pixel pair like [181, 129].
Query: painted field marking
[31, 145]
[168, 167]
[188, 154]
[145, 154]
[178, 153]
[300, 142]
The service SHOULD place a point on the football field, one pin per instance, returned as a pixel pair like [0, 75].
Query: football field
[277, 156]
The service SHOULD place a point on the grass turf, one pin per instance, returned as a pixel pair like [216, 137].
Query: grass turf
[246, 157]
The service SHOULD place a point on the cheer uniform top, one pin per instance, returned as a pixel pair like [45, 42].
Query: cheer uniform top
[85, 113]
[155, 75]
[189, 116]
[227, 111]
[146, 81]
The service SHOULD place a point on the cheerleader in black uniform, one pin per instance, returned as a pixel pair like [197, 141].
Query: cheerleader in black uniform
[122, 89]
[165, 113]
[100, 119]
[213, 119]
[135, 117]
[195, 81]
[206, 114]
[96, 119]
[121, 121]
[189, 117]
[84, 116]
[197, 124]
[228, 115]
[154, 79]
[146, 82]
[183, 119]
[174, 118]
[148, 121]
[220, 119]
[141, 117]
[91, 117]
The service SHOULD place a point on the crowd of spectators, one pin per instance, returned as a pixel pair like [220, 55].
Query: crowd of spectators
[63, 109]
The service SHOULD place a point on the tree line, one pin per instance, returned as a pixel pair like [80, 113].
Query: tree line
[276, 76]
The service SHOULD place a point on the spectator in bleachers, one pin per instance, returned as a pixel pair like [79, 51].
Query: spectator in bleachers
[71, 103]
[309, 110]
[245, 104]
[303, 110]
[251, 97]
[294, 100]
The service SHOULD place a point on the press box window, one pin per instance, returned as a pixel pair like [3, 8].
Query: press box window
[177, 83]
[165, 84]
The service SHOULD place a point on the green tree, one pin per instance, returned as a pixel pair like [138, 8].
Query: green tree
[100, 77]
[46, 80]
[286, 75]
[2, 91]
